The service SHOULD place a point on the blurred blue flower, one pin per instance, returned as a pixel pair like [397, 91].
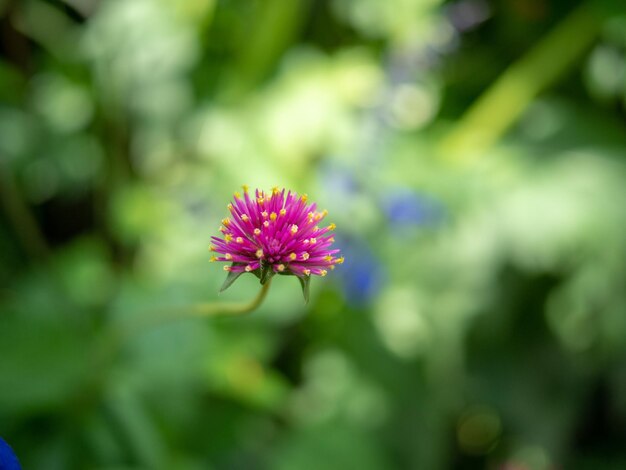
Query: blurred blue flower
[361, 275]
[407, 208]
[8, 460]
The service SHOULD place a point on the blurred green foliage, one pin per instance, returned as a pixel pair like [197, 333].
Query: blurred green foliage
[471, 153]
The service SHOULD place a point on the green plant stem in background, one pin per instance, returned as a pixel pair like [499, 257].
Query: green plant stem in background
[113, 342]
[505, 101]
[22, 219]
[231, 309]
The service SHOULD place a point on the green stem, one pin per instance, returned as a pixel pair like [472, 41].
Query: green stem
[116, 339]
[505, 101]
[230, 309]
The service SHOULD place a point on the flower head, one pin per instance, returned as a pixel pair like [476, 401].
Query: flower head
[275, 233]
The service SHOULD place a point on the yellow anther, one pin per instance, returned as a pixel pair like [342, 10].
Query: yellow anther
[226, 222]
[275, 190]
[293, 229]
[264, 214]
[248, 268]
[266, 224]
[222, 229]
[292, 256]
[323, 272]
[331, 240]
[213, 258]
[328, 258]
[226, 268]
[244, 217]
[260, 200]
[257, 231]
[324, 213]
[229, 207]
[339, 260]
[228, 256]
[310, 215]
[281, 267]
[304, 197]
[332, 266]
[212, 247]
[305, 256]
[237, 195]
[332, 227]
[245, 188]
[316, 228]
[307, 272]
[313, 241]
[283, 211]
[239, 240]
[228, 238]
[306, 241]
[273, 216]
[259, 253]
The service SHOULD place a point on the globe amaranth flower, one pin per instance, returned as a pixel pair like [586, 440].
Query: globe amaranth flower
[275, 233]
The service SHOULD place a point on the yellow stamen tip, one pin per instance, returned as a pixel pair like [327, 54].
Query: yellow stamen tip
[239, 240]
[266, 224]
[339, 260]
[212, 247]
[323, 272]
[305, 256]
[281, 267]
[237, 195]
[260, 200]
[228, 238]
[332, 227]
[283, 211]
[245, 188]
[275, 190]
[244, 217]
[273, 216]
[228, 256]
[257, 231]
[229, 207]
[259, 253]
[213, 259]
[248, 269]
[304, 197]
[328, 258]
[264, 214]
[226, 268]
[332, 266]
[307, 272]
[313, 241]
[226, 222]
[292, 256]
[293, 229]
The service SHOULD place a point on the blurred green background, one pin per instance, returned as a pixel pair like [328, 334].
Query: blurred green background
[471, 153]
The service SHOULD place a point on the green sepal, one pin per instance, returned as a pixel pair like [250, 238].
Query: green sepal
[305, 283]
[264, 272]
[230, 278]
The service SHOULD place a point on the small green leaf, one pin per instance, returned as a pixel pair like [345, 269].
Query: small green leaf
[232, 277]
[305, 282]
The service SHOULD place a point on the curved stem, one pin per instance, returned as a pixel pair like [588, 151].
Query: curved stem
[223, 308]
[113, 341]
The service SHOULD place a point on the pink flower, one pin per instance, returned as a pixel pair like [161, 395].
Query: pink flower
[275, 233]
